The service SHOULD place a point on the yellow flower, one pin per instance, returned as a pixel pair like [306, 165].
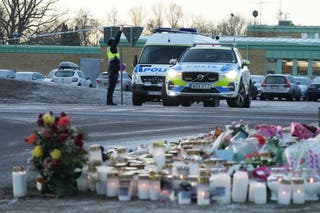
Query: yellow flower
[48, 119]
[37, 151]
[55, 154]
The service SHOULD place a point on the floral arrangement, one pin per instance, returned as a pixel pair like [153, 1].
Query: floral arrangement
[58, 153]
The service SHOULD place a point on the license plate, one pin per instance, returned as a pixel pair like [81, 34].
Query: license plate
[154, 92]
[200, 86]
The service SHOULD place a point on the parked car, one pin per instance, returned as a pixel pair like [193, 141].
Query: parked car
[303, 82]
[280, 86]
[29, 76]
[49, 77]
[256, 86]
[313, 91]
[7, 73]
[102, 81]
[72, 77]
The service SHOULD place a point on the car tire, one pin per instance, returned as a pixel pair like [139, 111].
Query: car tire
[262, 98]
[241, 100]
[186, 102]
[137, 100]
[212, 103]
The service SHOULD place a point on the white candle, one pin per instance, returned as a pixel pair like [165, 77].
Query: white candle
[92, 180]
[82, 182]
[95, 154]
[251, 187]
[184, 197]
[154, 187]
[259, 193]
[166, 187]
[284, 192]
[159, 155]
[223, 188]
[203, 193]
[19, 181]
[124, 187]
[298, 191]
[312, 188]
[101, 184]
[240, 187]
[143, 187]
[112, 184]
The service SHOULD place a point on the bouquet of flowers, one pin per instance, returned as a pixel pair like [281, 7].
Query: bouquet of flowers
[58, 153]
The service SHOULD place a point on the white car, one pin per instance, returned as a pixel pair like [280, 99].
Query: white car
[102, 81]
[72, 77]
[29, 76]
[50, 75]
[208, 73]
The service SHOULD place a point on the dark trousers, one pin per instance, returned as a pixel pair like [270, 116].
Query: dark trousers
[113, 78]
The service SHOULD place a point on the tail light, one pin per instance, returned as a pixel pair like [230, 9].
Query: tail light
[287, 84]
[74, 79]
[263, 83]
[98, 81]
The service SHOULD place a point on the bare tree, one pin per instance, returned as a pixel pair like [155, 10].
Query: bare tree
[174, 15]
[234, 25]
[157, 20]
[113, 17]
[203, 25]
[136, 15]
[84, 21]
[26, 17]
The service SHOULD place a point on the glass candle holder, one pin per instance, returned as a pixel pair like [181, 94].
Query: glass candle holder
[203, 193]
[95, 153]
[158, 153]
[240, 186]
[259, 193]
[124, 187]
[102, 180]
[273, 181]
[184, 195]
[154, 187]
[312, 185]
[193, 180]
[143, 186]
[298, 191]
[284, 192]
[112, 184]
[166, 187]
[19, 181]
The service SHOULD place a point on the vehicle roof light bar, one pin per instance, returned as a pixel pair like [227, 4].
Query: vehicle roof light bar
[175, 30]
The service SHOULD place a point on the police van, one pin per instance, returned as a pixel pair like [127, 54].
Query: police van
[148, 76]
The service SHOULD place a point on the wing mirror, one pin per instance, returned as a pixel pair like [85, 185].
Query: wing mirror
[173, 62]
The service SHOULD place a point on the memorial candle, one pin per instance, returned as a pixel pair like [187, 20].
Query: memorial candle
[19, 181]
[240, 187]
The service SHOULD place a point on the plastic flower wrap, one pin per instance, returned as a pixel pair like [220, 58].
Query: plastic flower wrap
[305, 154]
[58, 153]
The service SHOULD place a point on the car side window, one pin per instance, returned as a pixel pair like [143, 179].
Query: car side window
[80, 74]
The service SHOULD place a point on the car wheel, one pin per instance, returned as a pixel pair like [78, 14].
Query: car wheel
[186, 102]
[212, 103]
[90, 85]
[241, 100]
[137, 100]
[166, 100]
[262, 98]
[290, 97]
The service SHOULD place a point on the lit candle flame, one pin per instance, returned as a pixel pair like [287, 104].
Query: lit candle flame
[311, 180]
[181, 176]
[298, 191]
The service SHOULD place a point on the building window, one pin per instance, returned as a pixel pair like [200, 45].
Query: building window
[315, 68]
[271, 65]
[287, 65]
[302, 67]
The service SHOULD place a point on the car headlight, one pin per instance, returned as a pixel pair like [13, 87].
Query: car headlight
[173, 73]
[232, 74]
[136, 78]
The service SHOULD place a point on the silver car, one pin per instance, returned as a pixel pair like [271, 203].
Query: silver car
[71, 77]
[7, 74]
[29, 76]
[102, 81]
[303, 82]
[280, 86]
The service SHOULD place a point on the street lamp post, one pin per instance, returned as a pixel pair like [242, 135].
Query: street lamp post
[15, 36]
[233, 25]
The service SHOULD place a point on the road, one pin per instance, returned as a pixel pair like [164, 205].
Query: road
[130, 126]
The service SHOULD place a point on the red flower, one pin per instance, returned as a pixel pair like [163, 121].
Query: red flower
[64, 121]
[32, 138]
[261, 139]
[62, 137]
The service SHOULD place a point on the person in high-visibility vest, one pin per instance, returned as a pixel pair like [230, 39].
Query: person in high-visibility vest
[114, 65]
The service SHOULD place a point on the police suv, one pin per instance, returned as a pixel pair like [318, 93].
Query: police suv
[149, 73]
[208, 73]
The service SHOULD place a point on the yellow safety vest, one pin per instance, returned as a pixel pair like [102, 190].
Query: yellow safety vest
[111, 55]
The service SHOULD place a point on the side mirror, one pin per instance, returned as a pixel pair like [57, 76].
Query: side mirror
[135, 60]
[245, 63]
[173, 62]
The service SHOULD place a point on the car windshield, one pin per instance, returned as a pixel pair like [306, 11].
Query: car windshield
[208, 55]
[50, 75]
[257, 79]
[64, 73]
[275, 80]
[160, 54]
